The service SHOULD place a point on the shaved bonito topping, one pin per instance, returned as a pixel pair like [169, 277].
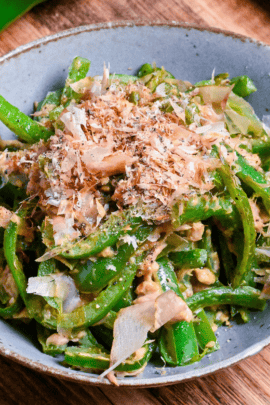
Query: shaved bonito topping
[149, 157]
[134, 322]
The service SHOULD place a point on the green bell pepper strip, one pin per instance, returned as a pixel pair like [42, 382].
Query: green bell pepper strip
[52, 98]
[45, 269]
[88, 339]
[22, 125]
[191, 111]
[265, 163]
[15, 266]
[247, 281]
[261, 146]
[195, 209]
[77, 71]
[125, 301]
[54, 115]
[165, 277]
[124, 79]
[206, 338]
[253, 179]
[249, 277]
[155, 78]
[134, 97]
[169, 336]
[212, 262]
[109, 319]
[103, 334]
[7, 309]
[242, 204]
[5, 296]
[106, 235]
[147, 69]
[97, 359]
[240, 117]
[208, 82]
[176, 243]
[237, 243]
[243, 86]
[93, 276]
[34, 304]
[229, 224]
[51, 349]
[244, 296]
[12, 309]
[217, 80]
[189, 259]
[199, 208]
[177, 342]
[93, 312]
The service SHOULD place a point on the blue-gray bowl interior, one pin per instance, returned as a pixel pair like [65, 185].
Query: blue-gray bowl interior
[190, 54]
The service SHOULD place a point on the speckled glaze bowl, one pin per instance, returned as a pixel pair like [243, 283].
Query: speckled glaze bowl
[190, 53]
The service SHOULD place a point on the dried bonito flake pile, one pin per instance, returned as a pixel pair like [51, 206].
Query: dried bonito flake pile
[109, 148]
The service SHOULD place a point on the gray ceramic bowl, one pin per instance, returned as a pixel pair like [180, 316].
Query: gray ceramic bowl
[190, 53]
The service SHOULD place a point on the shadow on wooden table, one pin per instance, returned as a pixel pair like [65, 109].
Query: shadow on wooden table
[233, 386]
[264, 4]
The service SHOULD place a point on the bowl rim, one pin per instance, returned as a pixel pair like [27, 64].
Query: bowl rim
[128, 382]
[121, 24]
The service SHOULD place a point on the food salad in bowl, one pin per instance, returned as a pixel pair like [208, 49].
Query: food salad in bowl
[134, 217]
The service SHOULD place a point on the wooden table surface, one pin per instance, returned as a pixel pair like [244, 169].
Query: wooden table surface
[247, 383]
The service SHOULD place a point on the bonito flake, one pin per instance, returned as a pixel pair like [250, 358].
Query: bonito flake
[111, 152]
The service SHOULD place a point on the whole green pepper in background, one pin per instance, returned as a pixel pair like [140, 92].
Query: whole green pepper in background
[15, 9]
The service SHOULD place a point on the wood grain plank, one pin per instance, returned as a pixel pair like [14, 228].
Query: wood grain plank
[230, 386]
[244, 384]
[243, 17]
[22, 386]
[127, 396]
